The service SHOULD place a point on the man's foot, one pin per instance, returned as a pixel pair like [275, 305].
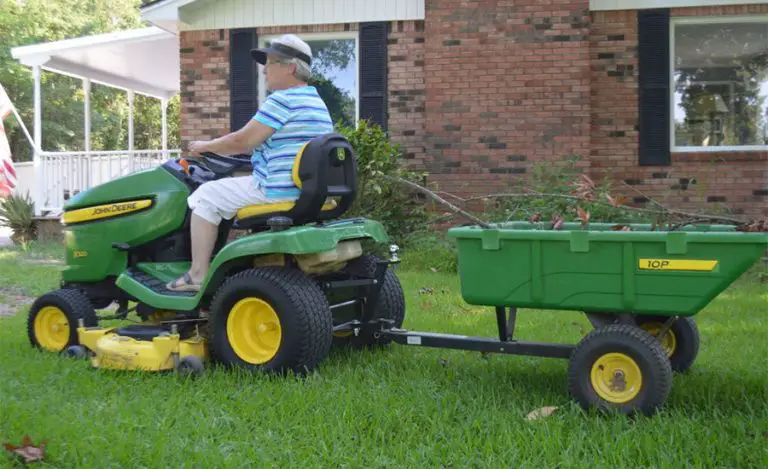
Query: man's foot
[184, 283]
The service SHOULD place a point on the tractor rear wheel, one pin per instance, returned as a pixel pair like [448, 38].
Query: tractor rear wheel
[270, 319]
[390, 304]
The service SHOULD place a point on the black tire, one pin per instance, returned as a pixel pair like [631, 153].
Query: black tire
[190, 366]
[73, 305]
[302, 310]
[390, 304]
[636, 354]
[680, 343]
[76, 351]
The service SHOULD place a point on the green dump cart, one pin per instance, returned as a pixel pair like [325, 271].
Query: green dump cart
[640, 290]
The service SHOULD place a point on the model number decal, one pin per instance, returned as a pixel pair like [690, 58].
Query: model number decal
[678, 264]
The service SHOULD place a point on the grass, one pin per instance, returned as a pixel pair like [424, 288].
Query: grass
[402, 407]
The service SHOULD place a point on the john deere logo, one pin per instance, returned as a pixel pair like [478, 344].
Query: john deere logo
[341, 154]
[105, 211]
[116, 208]
[79, 254]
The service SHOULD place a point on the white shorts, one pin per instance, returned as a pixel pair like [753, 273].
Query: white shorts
[221, 199]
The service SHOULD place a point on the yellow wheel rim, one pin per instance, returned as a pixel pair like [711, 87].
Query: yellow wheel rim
[616, 378]
[668, 343]
[253, 330]
[52, 329]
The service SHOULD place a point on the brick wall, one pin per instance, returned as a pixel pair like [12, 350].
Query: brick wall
[507, 85]
[697, 181]
[407, 89]
[204, 57]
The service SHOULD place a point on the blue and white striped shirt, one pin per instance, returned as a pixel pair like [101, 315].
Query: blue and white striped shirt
[297, 115]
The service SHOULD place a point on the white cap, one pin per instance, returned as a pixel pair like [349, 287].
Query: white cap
[288, 45]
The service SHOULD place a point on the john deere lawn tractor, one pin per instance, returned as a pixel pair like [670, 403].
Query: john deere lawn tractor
[274, 300]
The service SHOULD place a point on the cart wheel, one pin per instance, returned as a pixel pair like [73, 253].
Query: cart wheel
[76, 351]
[681, 342]
[190, 366]
[619, 368]
[270, 319]
[53, 319]
[390, 305]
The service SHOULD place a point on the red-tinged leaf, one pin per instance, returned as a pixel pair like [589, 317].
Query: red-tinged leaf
[587, 180]
[557, 222]
[27, 450]
[583, 216]
[536, 217]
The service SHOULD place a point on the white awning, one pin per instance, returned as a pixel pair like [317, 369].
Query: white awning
[144, 60]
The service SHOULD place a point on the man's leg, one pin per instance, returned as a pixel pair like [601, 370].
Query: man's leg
[203, 235]
[210, 203]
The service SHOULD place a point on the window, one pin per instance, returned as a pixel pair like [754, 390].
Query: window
[720, 83]
[335, 72]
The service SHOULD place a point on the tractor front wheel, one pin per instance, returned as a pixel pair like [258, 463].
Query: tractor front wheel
[619, 368]
[270, 319]
[54, 318]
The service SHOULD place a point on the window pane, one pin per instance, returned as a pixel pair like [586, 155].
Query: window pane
[335, 76]
[721, 84]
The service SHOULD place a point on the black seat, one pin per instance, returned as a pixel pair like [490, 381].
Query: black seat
[325, 171]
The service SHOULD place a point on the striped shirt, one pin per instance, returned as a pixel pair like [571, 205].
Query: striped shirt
[297, 115]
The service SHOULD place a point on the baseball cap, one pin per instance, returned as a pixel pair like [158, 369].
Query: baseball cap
[288, 46]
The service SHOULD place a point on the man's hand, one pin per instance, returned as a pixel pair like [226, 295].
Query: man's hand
[250, 136]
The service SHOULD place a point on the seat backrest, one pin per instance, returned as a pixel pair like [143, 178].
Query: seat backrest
[325, 168]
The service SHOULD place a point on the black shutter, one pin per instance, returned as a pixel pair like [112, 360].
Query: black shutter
[373, 72]
[654, 91]
[243, 77]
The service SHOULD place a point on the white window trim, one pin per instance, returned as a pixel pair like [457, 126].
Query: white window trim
[702, 20]
[317, 37]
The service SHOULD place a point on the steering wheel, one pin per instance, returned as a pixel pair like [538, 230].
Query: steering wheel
[222, 165]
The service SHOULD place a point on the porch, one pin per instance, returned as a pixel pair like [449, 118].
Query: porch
[141, 61]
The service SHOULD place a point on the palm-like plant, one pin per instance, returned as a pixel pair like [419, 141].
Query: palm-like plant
[17, 212]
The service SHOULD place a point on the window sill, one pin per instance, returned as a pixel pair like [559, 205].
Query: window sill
[721, 149]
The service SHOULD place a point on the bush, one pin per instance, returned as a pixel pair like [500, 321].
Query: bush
[17, 213]
[401, 210]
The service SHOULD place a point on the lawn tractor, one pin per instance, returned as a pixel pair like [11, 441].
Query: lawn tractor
[275, 299]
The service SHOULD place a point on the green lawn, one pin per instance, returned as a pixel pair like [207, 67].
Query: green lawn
[402, 407]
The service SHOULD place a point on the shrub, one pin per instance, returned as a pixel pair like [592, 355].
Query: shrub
[17, 212]
[401, 210]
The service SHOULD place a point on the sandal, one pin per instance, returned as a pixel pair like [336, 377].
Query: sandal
[184, 283]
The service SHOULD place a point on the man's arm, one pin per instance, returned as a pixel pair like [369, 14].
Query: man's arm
[243, 141]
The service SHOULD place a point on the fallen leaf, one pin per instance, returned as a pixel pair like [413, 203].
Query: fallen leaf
[557, 222]
[433, 270]
[536, 217]
[541, 413]
[621, 228]
[27, 450]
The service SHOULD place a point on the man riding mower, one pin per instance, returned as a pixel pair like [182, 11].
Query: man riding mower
[273, 300]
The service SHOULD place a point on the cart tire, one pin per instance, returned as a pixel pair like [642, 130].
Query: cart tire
[620, 368]
[390, 304]
[54, 318]
[680, 343]
[271, 319]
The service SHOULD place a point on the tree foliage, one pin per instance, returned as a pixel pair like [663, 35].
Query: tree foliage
[26, 22]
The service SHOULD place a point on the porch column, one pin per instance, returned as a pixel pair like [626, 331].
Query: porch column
[164, 108]
[130, 129]
[87, 133]
[40, 185]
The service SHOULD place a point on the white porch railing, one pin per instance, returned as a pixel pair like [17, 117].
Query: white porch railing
[64, 174]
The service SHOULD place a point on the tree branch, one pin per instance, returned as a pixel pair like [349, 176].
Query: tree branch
[440, 200]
